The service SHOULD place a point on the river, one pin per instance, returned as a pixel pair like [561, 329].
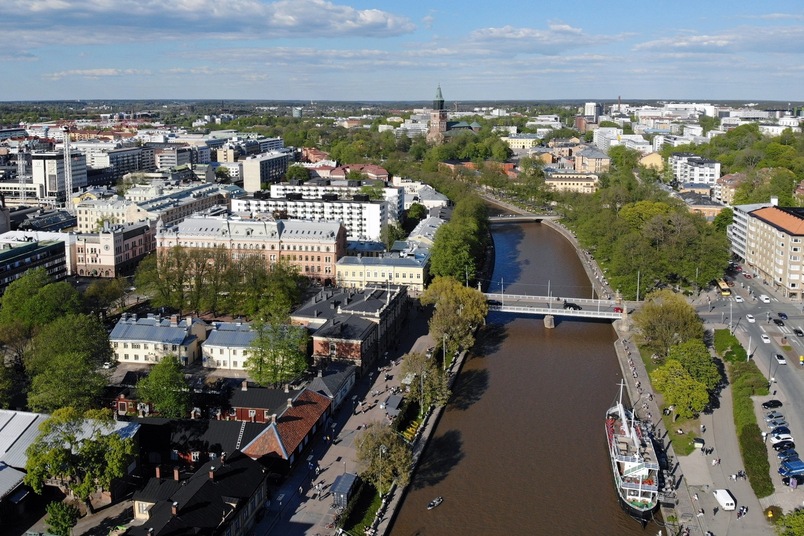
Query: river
[520, 448]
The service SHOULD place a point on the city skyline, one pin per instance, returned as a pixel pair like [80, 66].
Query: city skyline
[355, 50]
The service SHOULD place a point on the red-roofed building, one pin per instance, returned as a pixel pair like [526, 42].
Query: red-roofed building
[775, 248]
[283, 441]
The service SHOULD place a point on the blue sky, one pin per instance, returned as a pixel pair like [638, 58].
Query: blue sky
[401, 50]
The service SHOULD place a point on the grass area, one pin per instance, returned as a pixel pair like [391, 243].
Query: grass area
[746, 381]
[362, 509]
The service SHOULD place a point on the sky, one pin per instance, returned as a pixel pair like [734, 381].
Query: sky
[358, 50]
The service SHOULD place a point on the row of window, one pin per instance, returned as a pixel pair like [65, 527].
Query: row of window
[146, 346]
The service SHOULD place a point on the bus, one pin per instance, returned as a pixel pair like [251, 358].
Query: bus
[723, 287]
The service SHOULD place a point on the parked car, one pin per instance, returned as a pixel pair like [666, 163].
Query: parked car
[771, 415]
[765, 339]
[778, 322]
[782, 446]
[780, 430]
[798, 478]
[780, 359]
[798, 332]
[776, 422]
[772, 404]
[750, 318]
[781, 315]
[788, 455]
[778, 438]
[738, 298]
[747, 275]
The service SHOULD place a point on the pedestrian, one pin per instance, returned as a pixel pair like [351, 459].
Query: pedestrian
[703, 428]
[701, 512]
[718, 461]
[695, 497]
[714, 511]
[714, 462]
[301, 490]
[740, 513]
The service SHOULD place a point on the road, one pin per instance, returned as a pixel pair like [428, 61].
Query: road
[786, 380]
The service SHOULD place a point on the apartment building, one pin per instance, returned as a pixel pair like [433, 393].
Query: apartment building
[147, 340]
[688, 167]
[313, 247]
[726, 186]
[48, 175]
[590, 160]
[775, 248]
[362, 218]
[264, 168]
[16, 258]
[361, 272]
[227, 345]
[318, 189]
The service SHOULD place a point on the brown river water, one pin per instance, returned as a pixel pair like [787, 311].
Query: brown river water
[521, 448]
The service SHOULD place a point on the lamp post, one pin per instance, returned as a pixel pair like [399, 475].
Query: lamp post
[444, 348]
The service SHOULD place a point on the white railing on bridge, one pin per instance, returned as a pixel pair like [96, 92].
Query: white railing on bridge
[557, 311]
[512, 298]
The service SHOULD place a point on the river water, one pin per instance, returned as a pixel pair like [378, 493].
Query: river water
[520, 448]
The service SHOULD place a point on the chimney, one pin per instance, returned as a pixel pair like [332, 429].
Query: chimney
[174, 508]
[223, 458]
[174, 320]
[273, 418]
[244, 385]
[290, 403]
[320, 372]
[287, 387]
[774, 200]
[158, 472]
[176, 474]
[212, 472]
[189, 320]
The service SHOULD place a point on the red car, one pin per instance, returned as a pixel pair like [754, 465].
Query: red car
[738, 268]
[747, 276]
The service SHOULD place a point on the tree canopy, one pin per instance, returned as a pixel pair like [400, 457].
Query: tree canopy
[459, 310]
[383, 457]
[430, 385]
[666, 319]
[70, 378]
[166, 389]
[278, 353]
[79, 450]
[680, 389]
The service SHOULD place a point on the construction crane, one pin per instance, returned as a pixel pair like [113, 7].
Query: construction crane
[22, 168]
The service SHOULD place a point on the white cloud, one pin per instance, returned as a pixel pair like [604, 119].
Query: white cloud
[95, 73]
[761, 39]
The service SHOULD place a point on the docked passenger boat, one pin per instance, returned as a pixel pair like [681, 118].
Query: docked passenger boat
[633, 461]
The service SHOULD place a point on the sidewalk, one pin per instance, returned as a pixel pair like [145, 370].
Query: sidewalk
[298, 507]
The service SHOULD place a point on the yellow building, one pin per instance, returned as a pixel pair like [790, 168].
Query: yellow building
[571, 181]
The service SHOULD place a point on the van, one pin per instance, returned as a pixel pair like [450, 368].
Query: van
[764, 298]
[724, 498]
[791, 467]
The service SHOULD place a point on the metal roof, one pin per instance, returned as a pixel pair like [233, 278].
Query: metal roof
[18, 429]
[10, 478]
[151, 330]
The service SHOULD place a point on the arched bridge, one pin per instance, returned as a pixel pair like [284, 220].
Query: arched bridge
[550, 305]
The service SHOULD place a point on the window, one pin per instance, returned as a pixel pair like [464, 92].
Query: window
[195, 455]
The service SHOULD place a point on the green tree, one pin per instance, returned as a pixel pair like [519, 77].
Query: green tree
[390, 233]
[222, 174]
[166, 389]
[373, 191]
[278, 353]
[383, 457]
[723, 219]
[32, 300]
[459, 310]
[297, 172]
[429, 385]
[791, 524]
[694, 356]
[666, 319]
[61, 518]
[679, 389]
[84, 335]
[6, 385]
[69, 379]
[78, 450]
[417, 212]
[102, 294]
[451, 254]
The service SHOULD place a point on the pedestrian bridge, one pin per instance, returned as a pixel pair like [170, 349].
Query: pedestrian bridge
[550, 305]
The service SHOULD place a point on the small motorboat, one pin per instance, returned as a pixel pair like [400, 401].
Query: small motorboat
[435, 502]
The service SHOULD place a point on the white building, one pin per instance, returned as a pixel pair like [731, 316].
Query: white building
[47, 171]
[264, 168]
[691, 168]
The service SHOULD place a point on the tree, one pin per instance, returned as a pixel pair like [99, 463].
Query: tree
[383, 457]
[32, 300]
[103, 293]
[417, 212]
[222, 174]
[166, 389]
[84, 335]
[694, 356]
[791, 524]
[6, 385]
[390, 233]
[430, 381]
[69, 379]
[78, 450]
[278, 353]
[458, 311]
[679, 389]
[61, 518]
[297, 172]
[666, 319]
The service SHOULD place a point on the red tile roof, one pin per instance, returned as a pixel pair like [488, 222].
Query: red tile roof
[781, 219]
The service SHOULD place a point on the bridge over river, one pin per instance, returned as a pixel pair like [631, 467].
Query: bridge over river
[553, 306]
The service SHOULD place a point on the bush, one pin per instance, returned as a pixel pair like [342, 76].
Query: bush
[361, 510]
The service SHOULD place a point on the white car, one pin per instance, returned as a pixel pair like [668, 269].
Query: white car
[738, 298]
[765, 339]
[750, 318]
[780, 359]
[764, 298]
[775, 438]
